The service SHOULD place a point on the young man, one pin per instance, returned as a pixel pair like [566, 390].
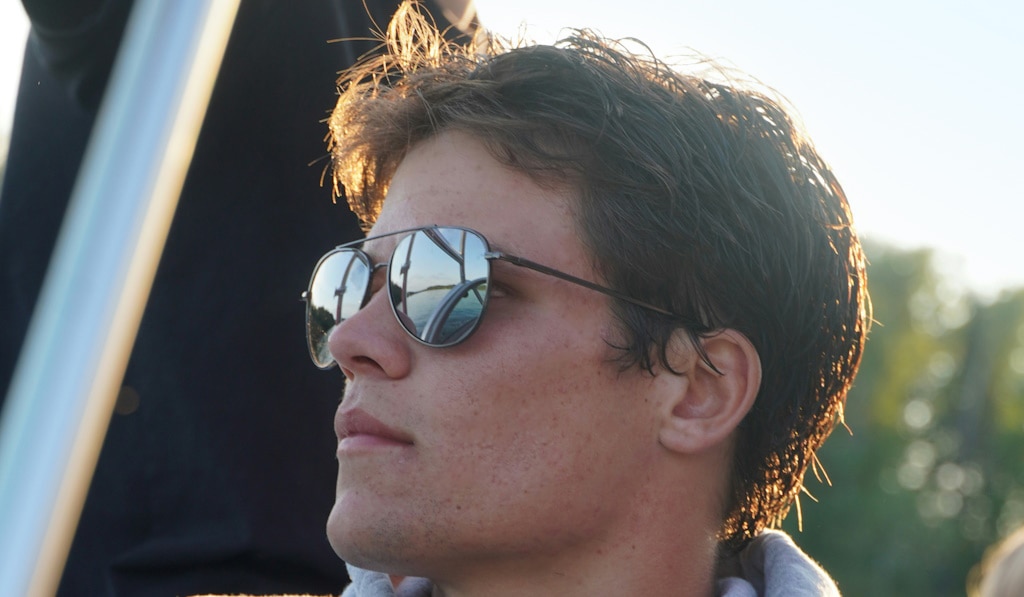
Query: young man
[624, 306]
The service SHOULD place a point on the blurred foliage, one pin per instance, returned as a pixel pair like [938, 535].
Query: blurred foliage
[931, 472]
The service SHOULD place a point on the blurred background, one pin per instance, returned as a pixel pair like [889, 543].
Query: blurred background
[918, 108]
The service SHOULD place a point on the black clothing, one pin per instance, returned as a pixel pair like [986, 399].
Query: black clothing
[217, 473]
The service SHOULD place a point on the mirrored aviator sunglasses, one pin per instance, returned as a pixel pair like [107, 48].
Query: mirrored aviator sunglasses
[438, 280]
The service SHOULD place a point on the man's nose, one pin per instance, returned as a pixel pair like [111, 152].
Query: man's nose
[371, 341]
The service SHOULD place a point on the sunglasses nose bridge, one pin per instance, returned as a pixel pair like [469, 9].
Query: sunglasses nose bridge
[370, 342]
[368, 334]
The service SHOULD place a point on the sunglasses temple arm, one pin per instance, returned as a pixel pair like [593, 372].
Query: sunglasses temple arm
[521, 262]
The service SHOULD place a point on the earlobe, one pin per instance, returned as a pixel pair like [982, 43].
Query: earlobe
[710, 405]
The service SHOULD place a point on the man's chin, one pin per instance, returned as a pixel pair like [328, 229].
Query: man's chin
[361, 538]
[344, 533]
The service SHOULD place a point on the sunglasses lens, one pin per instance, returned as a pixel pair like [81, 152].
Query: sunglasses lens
[337, 291]
[439, 282]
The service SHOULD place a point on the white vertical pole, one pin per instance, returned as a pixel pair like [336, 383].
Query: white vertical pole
[62, 393]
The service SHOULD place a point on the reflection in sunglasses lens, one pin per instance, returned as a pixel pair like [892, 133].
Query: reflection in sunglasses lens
[439, 284]
[338, 290]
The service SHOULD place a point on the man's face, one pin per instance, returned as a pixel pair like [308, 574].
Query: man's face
[523, 442]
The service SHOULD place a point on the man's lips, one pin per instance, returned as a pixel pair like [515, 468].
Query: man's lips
[355, 428]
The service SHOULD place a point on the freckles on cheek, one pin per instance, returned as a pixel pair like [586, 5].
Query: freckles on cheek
[513, 406]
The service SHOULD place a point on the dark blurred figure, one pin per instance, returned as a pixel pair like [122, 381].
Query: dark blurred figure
[216, 474]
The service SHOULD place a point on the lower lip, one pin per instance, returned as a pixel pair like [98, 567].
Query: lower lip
[361, 443]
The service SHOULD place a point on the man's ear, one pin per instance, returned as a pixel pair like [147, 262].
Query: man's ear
[710, 405]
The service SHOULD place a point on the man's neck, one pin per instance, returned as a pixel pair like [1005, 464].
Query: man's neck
[636, 565]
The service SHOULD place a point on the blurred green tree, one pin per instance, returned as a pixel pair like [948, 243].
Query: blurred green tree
[931, 472]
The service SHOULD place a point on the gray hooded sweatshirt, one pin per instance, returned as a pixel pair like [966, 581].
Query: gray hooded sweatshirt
[770, 566]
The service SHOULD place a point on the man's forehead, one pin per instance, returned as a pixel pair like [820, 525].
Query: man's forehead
[452, 179]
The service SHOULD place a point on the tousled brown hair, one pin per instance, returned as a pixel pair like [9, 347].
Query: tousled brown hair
[693, 192]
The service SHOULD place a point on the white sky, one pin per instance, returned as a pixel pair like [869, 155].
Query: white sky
[919, 106]
[13, 29]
